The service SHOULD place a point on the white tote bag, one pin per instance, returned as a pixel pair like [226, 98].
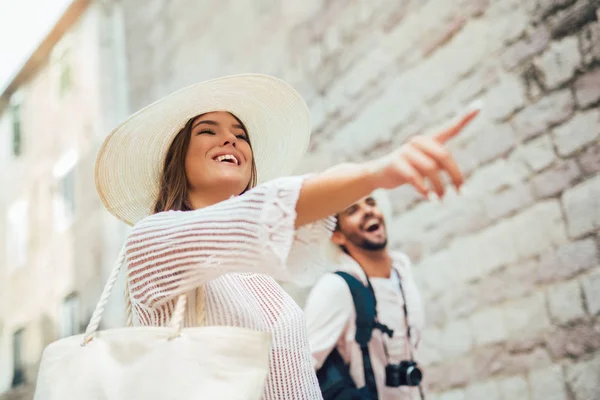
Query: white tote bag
[155, 363]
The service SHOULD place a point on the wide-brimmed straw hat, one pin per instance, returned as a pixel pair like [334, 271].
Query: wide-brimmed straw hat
[130, 162]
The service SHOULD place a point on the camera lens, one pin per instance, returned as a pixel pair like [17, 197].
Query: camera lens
[413, 376]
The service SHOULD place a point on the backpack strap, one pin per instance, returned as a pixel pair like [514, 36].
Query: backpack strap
[365, 305]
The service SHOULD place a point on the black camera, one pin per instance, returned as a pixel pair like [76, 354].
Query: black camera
[406, 373]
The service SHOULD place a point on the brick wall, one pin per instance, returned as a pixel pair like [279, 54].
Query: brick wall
[510, 270]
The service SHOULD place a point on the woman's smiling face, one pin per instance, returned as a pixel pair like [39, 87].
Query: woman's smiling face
[219, 152]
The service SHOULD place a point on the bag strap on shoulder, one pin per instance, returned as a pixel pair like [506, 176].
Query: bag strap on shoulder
[365, 305]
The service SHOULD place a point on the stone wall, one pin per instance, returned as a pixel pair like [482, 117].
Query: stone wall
[510, 270]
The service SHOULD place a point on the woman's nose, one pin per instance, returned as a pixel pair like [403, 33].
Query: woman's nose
[230, 139]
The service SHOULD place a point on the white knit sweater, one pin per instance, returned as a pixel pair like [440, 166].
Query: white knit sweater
[235, 250]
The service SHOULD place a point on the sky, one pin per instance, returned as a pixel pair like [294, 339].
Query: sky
[23, 25]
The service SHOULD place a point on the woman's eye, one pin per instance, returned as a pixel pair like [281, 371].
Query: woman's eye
[207, 131]
[242, 137]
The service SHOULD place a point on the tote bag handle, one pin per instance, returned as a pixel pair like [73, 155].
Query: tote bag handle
[175, 323]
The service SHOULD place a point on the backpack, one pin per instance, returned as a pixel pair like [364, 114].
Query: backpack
[334, 376]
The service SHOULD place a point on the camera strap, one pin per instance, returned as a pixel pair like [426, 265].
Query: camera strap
[405, 312]
[406, 323]
[408, 327]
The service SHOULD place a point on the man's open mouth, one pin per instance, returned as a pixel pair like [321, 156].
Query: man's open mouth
[372, 225]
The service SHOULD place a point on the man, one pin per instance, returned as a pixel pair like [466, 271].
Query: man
[359, 248]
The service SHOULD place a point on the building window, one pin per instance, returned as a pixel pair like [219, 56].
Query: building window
[61, 64]
[18, 362]
[17, 134]
[18, 234]
[64, 197]
[65, 74]
[69, 316]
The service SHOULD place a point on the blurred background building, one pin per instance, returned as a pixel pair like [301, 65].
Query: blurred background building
[509, 271]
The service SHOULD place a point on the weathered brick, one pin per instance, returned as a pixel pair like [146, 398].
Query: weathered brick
[456, 338]
[457, 215]
[537, 153]
[579, 131]
[436, 38]
[485, 143]
[435, 274]
[504, 99]
[460, 219]
[523, 50]
[509, 20]
[533, 83]
[556, 179]
[589, 159]
[538, 228]
[574, 341]
[550, 110]
[404, 197]
[509, 200]
[487, 361]
[559, 63]
[459, 304]
[475, 83]
[521, 362]
[581, 204]
[434, 312]
[587, 88]
[590, 42]
[475, 7]
[512, 282]
[565, 302]
[523, 345]
[429, 348]
[573, 18]
[497, 175]
[568, 261]
[524, 235]
[583, 379]
[488, 326]
[513, 388]
[456, 394]
[429, 394]
[548, 384]
[456, 373]
[591, 290]
[527, 316]
[483, 390]
[541, 9]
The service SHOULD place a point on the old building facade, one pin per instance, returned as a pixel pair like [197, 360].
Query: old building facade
[57, 240]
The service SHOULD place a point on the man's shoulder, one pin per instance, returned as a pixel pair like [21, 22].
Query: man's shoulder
[332, 280]
[330, 290]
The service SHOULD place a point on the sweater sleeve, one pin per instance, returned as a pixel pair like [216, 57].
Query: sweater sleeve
[173, 252]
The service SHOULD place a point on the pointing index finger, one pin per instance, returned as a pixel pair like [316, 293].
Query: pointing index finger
[458, 126]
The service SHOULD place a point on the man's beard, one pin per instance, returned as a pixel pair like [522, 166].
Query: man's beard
[367, 244]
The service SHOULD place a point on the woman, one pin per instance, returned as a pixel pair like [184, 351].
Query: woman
[184, 170]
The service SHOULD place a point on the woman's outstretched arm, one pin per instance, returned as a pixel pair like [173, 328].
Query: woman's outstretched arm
[420, 160]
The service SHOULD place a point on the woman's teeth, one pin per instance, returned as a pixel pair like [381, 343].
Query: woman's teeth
[227, 158]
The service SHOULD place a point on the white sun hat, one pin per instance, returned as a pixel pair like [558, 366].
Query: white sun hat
[130, 162]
